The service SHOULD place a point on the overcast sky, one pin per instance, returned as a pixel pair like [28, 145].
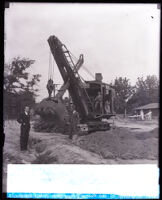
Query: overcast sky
[116, 39]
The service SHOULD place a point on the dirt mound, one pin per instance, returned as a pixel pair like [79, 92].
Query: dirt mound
[50, 107]
[122, 143]
[155, 133]
[52, 114]
[58, 149]
[145, 135]
[50, 126]
[112, 147]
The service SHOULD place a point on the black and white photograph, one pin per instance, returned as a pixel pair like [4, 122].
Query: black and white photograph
[81, 84]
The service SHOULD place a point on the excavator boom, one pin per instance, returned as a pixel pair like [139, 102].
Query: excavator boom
[68, 71]
[83, 94]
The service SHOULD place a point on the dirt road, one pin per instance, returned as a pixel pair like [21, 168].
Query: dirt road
[128, 143]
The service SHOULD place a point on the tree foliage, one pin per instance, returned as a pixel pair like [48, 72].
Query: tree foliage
[147, 91]
[123, 91]
[16, 78]
[20, 87]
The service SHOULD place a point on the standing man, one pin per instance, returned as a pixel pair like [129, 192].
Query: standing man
[107, 104]
[112, 96]
[107, 107]
[50, 87]
[74, 121]
[24, 120]
[98, 102]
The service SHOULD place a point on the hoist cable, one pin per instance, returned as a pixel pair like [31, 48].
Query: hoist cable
[83, 66]
[81, 79]
[52, 70]
[49, 67]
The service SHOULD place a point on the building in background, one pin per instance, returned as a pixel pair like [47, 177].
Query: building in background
[154, 107]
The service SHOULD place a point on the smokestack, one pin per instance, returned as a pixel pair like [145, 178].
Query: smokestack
[98, 77]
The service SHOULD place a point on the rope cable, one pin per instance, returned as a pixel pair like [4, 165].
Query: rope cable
[83, 66]
[54, 85]
[81, 78]
[49, 67]
[52, 70]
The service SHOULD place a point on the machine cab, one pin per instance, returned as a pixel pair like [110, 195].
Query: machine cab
[100, 96]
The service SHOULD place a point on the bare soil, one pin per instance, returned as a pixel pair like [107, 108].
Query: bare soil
[130, 142]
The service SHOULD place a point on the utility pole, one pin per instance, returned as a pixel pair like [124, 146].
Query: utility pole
[126, 100]
[125, 110]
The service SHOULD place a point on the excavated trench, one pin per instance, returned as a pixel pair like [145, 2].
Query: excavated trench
[60, 150]
[117, 146]
[119, 143]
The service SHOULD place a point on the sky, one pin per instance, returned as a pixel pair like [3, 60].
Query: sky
[117, 40]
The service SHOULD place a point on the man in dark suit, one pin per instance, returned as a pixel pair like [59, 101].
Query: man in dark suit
[24, 120]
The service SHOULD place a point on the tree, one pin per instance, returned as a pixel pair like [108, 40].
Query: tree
[16, 78]
[20, 87]
[147, 91]
[123, 90]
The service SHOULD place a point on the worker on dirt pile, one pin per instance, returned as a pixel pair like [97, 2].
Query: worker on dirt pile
[98, 102]
[74, 121]
[24, 120]
[50, 87]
